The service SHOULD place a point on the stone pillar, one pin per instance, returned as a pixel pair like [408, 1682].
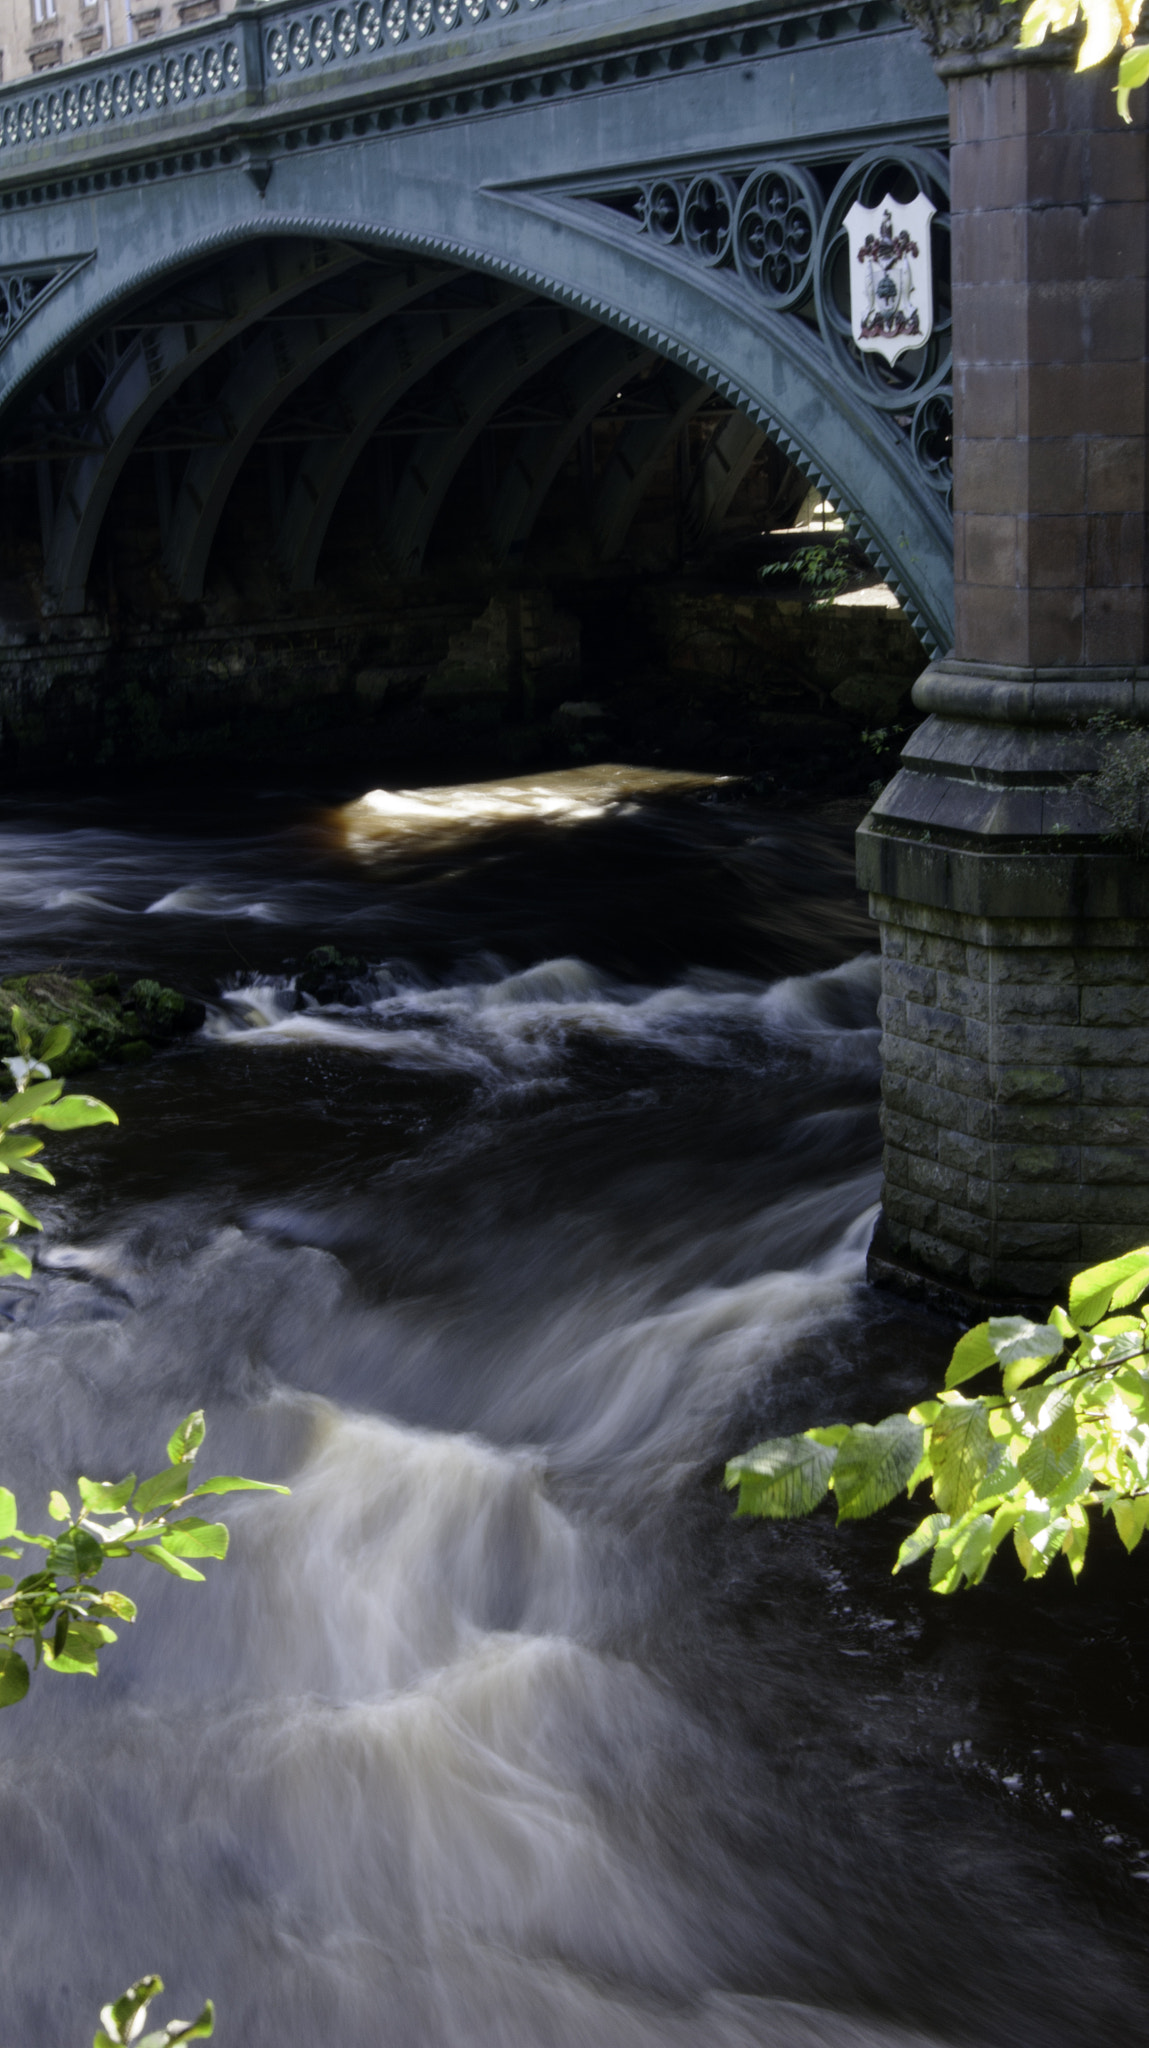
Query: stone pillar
[1014, 917]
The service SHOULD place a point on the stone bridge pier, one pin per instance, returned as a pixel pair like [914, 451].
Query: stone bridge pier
[1013, 908]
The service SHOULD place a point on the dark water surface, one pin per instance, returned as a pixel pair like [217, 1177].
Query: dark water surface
[501, 1731]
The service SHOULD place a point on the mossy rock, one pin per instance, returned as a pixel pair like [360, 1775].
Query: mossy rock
[106, 1029]
[331, 976]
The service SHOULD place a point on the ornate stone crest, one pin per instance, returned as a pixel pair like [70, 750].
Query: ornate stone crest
[891, 276]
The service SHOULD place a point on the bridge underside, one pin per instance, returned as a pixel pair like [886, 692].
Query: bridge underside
[423, 388]
[302, 469]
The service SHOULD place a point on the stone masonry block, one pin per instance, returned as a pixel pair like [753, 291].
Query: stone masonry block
[930, 1177]
[1128, 1085]
[946, 1030]
[892, 1015]
[1116, 1204]
[1037, 1083]
[950, 1261]
[910, 1134]
[1035, 1002]
[964, 1076]
[907, 1057]
[1122, 1005]
[1106, 966]
[962, 995]
[1026, 1201]
[957, 1226]
[1084, 1045]
[938, 1106]
[904, 1206]
[1125, 1164]
[1042, 1163]
[1034, 1123]
[1036, 964]
[964, 1154]
[899, 978]
[1044, 1240]
[1102, 1241]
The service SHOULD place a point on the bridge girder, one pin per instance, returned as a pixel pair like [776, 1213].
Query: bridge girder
[584, 382]
[267, 375]
[366, 395]
[146, 376]
[493, 372]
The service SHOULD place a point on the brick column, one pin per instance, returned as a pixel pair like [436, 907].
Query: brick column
[1015, 927]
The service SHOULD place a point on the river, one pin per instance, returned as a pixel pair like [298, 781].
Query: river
[501, 1731]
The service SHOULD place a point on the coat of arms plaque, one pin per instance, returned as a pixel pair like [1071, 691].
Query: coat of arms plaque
[891, 279]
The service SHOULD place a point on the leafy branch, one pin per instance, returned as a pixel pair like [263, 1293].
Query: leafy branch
[823, 566]
[1109, 24]
[59, 1609]
[1067, 1433]
[125, 2019]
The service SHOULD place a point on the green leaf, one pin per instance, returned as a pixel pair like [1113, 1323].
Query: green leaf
[873, 1465]
[924, 1537]
[8, 1514]
[224, 1482]
[162, 1490]
[1131, 1517]
[1053, 1455]
[961, 1447]
[1132, 71]
[106, 1496]
[11, 1207]
[108, 1601]
[14, 1261]
[20, 1030]
[58, 1507]
[56, 1041]
[172, 1564]
[1023, 1348]
[124, 2019]
[78, 1553]
[14, 1677]
[80, 1643]
[972, 1354]
[1115, 1284]
[195, 1538]
[19, 1109]
[31, 1171]
[785, 1477]
[186, 1440]
[74, 1113]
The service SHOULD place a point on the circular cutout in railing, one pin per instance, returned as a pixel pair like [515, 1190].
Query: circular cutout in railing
[775, 230]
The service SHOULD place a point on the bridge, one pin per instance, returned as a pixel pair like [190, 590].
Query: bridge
[296, 245]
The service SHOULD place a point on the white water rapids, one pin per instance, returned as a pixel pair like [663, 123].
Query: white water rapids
[496, 1733]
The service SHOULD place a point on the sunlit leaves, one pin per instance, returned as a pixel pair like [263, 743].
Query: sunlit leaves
[874, 1464]
[59, 1609]
[125, 2020]
[784, 1478]
[1108, 24]
[1066, 1431]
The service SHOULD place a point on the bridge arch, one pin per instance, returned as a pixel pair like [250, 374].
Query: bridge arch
[769, 366]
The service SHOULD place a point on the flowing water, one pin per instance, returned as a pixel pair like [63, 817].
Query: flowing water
[500, 1729]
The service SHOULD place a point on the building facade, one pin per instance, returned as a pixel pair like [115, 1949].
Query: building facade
[41, 35]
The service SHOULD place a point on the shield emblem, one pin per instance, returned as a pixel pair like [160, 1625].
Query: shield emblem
[891, 278]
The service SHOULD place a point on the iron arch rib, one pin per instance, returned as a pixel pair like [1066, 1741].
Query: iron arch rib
[274, 367]
[150, 372]
[636, 455]
[403, 354]
[590, 376]
[492, 374]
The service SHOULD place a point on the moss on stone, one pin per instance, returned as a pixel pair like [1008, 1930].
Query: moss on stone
[105, 1029]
